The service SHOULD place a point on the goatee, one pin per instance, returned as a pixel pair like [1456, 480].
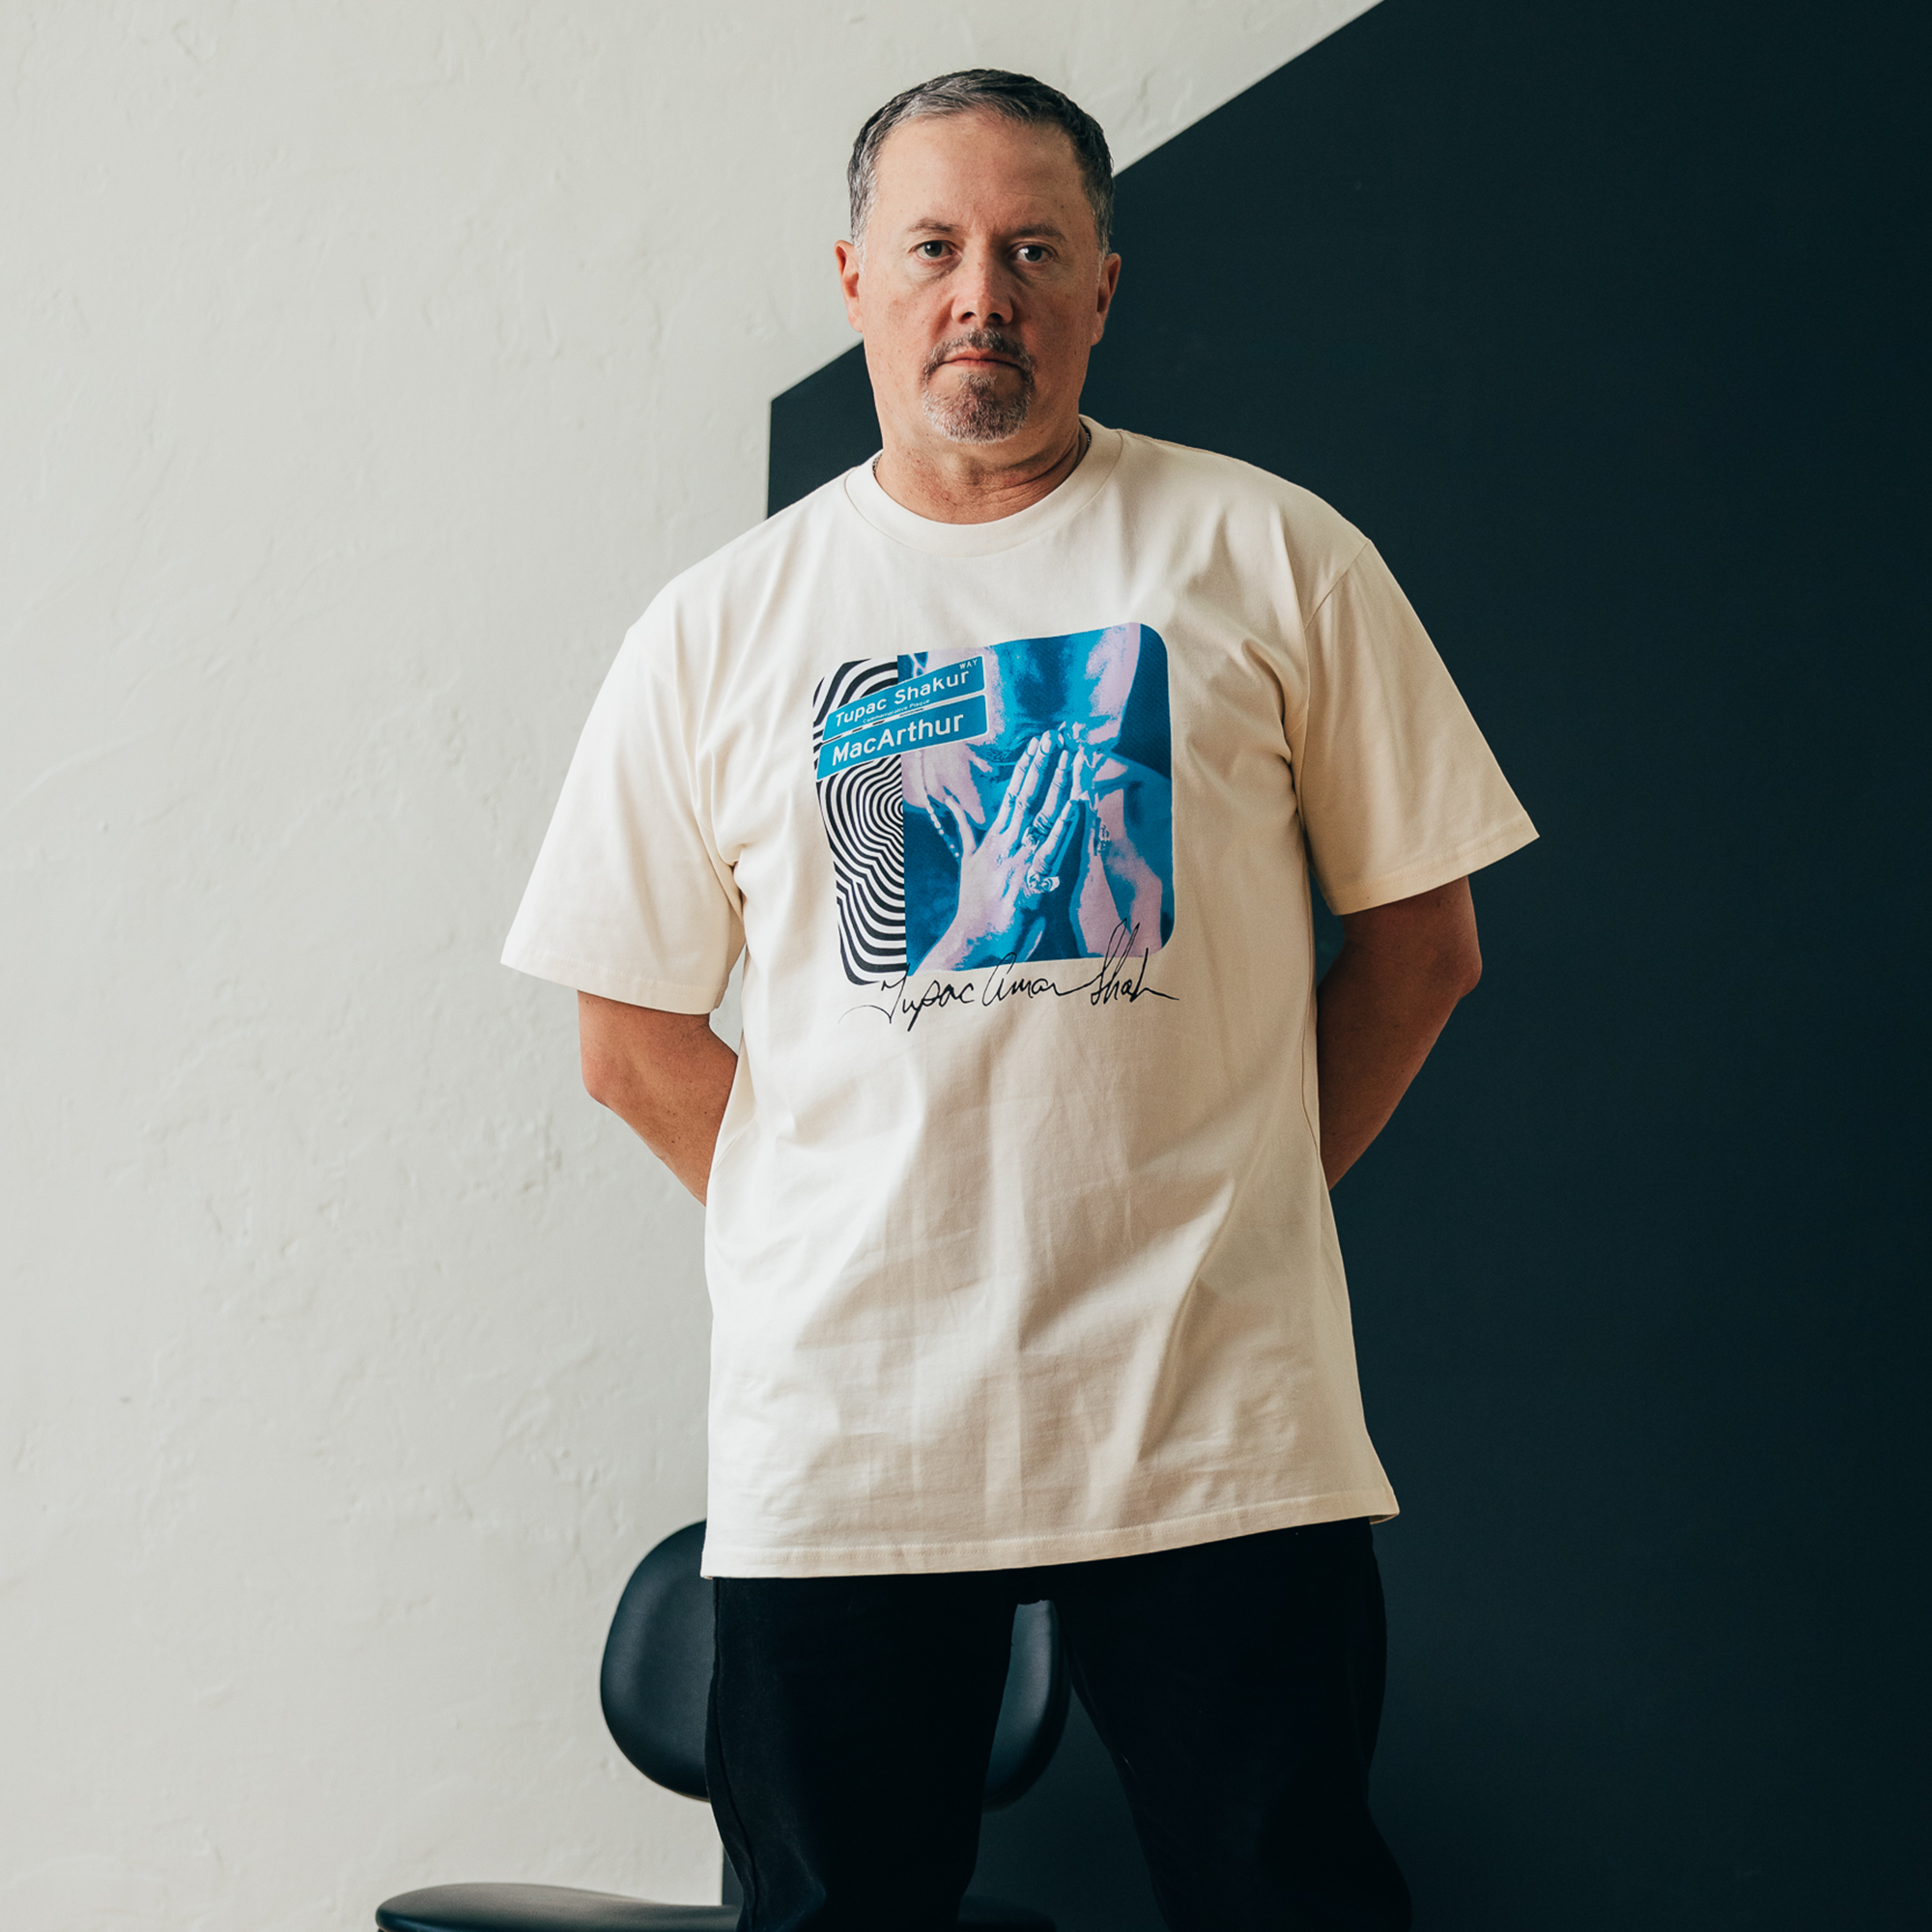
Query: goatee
[976, 411]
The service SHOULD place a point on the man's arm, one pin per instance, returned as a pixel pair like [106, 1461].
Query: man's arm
[1393, 986]
[1400, 973]
[665, 1076]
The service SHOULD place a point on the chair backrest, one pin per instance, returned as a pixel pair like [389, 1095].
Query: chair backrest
[656, 1678]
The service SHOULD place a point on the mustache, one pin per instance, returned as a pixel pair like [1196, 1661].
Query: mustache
[990, 341]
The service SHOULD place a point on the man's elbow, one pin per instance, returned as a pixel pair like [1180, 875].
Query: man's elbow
[604, 1078]
[1460, 970]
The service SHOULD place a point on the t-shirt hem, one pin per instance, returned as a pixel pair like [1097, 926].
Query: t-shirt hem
[1033, 1552]
[1428, 874]
[607, 982]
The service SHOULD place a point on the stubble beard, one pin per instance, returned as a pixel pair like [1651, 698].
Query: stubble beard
[976, 411]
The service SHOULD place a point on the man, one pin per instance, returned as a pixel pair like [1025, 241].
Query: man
[1003, 759]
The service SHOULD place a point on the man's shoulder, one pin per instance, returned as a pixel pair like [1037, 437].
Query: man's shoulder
[1231, 485]
[759, 559]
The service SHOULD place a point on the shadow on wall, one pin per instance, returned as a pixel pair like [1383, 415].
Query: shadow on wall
[1590, 317]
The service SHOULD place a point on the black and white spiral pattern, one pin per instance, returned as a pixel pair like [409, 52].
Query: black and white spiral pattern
[862, 810]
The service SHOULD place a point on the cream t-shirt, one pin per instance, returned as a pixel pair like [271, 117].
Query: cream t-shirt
[1017, 1243]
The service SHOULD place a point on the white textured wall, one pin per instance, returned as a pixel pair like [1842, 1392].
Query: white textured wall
[366, 368]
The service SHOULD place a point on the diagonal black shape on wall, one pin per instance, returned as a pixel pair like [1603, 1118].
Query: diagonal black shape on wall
[1598, 318]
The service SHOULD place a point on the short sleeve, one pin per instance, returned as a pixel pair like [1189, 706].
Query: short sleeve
[630, 899]
[1399, 792]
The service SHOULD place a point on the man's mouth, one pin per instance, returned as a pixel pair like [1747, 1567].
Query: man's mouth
[981, 350]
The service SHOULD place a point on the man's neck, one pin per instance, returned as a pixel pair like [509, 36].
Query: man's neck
[956, 483]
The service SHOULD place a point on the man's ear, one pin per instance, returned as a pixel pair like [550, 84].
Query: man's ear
[850, 258]
[1103, 295]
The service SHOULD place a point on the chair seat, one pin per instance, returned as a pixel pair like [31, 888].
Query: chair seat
[562, 1908]
[542, 1908]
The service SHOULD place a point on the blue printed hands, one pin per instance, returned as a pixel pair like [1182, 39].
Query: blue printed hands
[1007, 873]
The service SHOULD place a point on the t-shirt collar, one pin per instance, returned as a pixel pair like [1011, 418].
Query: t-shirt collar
[1068, 499]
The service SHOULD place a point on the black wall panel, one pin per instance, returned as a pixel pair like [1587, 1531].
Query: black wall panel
[1594, 317]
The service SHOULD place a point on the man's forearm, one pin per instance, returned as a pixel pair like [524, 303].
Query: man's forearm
[1380, 1007]
[667, 1076]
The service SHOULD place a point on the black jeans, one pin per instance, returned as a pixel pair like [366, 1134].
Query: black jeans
[1238, 1683]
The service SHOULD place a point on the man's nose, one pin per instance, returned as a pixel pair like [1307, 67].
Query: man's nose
[982, 293]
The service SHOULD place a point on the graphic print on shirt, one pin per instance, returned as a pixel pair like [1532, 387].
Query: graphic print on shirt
[860, 803]
[999, 807]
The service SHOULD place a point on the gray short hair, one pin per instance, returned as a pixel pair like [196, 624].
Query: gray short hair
[1018, 97]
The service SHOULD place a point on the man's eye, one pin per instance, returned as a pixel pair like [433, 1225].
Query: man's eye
[930, 250]
[1032, 251]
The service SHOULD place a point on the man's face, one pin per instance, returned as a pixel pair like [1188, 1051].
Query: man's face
[980, 287]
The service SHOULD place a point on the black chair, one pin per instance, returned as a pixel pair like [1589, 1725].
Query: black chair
[655, 1686]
